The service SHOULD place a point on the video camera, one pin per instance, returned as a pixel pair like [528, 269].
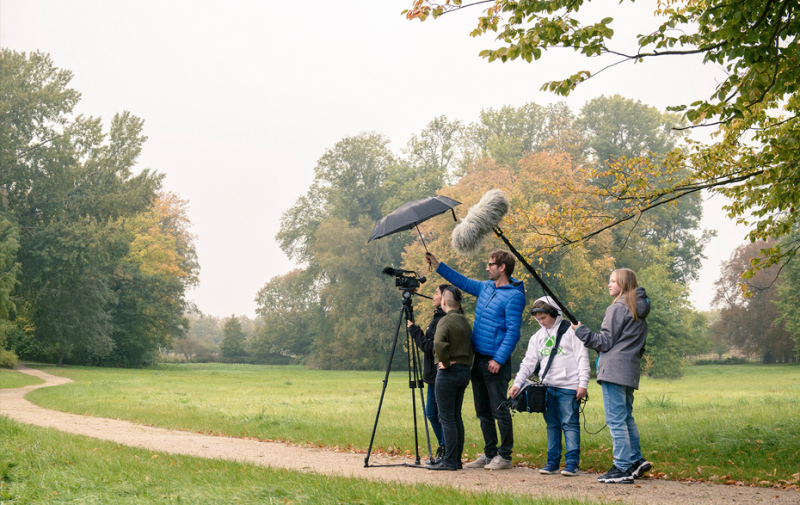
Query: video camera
[405, 279]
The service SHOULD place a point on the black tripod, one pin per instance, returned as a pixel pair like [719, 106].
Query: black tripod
[414, 379]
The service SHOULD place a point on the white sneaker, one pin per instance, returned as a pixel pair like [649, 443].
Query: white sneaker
[499, 463]
[480, 462]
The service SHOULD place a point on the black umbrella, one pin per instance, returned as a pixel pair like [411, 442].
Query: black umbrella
[410, 214]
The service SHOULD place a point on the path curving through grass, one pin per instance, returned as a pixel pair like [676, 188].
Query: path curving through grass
[351, 464]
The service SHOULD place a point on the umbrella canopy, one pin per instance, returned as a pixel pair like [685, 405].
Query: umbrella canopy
[410, 214]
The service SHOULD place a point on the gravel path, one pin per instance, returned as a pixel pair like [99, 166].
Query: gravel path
[518, 480]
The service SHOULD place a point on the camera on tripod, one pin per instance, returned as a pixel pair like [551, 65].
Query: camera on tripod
[405, 279]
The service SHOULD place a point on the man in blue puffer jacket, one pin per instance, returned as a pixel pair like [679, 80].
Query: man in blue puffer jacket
[498, 317]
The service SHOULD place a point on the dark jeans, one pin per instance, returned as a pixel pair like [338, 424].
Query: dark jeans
[451, 383]
[432, 413]
[489, 391]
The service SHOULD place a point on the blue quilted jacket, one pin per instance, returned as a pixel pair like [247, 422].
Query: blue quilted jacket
[498, 313]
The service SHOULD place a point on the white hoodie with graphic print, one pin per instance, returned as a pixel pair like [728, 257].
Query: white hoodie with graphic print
[570, 368]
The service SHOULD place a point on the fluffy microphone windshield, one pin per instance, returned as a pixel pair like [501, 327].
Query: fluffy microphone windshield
[480, 221]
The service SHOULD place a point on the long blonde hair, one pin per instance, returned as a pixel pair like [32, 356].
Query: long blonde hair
[626, 280]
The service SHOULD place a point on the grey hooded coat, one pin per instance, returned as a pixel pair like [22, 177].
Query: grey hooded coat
[620, 341]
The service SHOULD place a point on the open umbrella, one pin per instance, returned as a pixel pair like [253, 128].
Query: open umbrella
[410, 214]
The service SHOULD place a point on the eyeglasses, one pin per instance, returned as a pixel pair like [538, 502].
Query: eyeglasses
[492, 264]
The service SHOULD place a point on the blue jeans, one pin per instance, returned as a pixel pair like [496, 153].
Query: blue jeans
[432, 413]
[562, 415]
[451, 383]
[489, 391]
[618, 405]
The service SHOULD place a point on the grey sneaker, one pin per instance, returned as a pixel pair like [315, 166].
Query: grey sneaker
[480, 462]
[499, 463]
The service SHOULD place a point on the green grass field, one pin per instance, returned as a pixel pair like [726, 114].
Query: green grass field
[45, 466]
[11, 379]
[718, 423]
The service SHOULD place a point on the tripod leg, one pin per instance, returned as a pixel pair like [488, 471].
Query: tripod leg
[415, 383]
[385, 382]
[413, 348]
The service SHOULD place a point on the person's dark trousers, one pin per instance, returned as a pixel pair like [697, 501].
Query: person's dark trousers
[489, 391]
[451, 383]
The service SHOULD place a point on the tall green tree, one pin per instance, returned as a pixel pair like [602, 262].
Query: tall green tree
[29, 112]
[291, 311]
[234, 340]
[753, 159]
[508, 134]
[66, 269]
[79, 190]
[434, 152]
[671, 335]
[616, 126]
[362, 305]
[356, 183]
[9, 244]
[8, 280]
[347, 184]
[617, 129]
[73, 190]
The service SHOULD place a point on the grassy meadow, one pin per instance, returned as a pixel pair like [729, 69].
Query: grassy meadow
[718, 423]
[39, 465]
[12, 379]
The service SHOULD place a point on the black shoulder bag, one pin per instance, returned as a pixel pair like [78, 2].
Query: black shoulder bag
[533, 395]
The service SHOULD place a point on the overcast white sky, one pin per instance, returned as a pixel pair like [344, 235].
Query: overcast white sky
[241, 98]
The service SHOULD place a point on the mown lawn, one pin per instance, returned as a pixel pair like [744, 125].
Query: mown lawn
[10, 379]
[45, 466]
[718, 423]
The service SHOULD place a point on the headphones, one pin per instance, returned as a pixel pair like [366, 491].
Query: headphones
[551, 311]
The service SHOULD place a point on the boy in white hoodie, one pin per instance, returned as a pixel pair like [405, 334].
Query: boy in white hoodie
[566, 382]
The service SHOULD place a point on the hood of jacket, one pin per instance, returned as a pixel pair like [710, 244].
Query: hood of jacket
[549, 301]
[642, 303]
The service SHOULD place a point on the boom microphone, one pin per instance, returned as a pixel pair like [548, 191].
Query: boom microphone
[481, 220]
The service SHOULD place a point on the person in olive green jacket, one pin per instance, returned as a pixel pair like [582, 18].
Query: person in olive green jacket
[452, 349]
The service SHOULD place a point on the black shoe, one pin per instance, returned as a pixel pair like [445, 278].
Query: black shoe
[640, 467]
[443, 466]
[436, 459]
[616, 476]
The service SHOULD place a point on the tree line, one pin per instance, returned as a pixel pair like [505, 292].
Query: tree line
[95, 257]
[338, 311]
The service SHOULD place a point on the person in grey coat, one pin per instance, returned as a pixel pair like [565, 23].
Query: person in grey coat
[621, 344]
